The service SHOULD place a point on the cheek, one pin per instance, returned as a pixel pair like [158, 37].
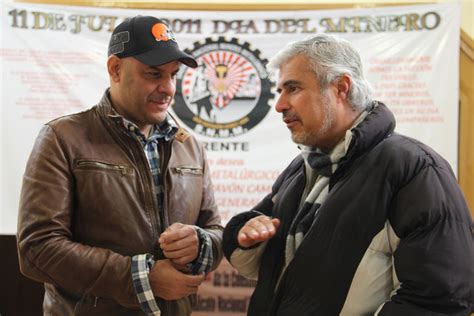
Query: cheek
[173, 86]
[310, 116]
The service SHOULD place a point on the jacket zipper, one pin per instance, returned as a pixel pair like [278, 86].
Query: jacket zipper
[147, 188]
[188, 170]
[165, 154]
[102, 165]
[134, 148]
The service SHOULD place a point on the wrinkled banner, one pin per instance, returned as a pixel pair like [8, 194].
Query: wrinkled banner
[53, 62]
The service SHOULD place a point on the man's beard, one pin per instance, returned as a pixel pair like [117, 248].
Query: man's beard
[310, 138]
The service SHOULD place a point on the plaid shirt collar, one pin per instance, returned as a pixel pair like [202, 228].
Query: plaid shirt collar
[167, 129]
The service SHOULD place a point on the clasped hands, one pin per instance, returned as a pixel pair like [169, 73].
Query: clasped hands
[168, 277]
[180, 245]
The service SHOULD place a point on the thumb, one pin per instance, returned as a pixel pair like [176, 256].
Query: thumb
[276, 223]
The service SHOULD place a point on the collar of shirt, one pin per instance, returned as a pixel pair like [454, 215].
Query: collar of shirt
[167, 129]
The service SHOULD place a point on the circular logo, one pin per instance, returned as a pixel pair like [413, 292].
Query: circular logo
[227, 94]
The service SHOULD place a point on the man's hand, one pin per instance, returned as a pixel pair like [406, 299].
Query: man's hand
[170, 284]
[256, 230]
[180, 244]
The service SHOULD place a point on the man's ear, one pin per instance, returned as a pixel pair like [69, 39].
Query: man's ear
[344, 84]
[114, 65]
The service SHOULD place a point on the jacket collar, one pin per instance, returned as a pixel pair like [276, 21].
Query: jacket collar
[168, 129]
[377, 125]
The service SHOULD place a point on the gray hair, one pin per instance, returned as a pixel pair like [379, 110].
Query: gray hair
[330, 58]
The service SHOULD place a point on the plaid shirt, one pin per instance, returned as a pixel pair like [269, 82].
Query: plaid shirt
[142, 264]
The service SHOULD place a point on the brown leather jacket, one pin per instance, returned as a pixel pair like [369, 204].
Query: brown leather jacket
[87, 206]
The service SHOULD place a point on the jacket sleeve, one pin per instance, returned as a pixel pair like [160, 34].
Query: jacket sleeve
[434, 260]
[247, 261]
[47, 250]
[209, 219]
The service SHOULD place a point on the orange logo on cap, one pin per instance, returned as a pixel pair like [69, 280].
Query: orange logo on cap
[161, 32]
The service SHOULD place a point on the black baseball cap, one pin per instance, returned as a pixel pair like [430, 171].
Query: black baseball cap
[149, 40]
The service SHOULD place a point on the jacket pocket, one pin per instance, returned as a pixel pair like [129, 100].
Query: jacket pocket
[85, 164]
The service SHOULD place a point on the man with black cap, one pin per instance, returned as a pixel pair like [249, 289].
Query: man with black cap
[117, 212]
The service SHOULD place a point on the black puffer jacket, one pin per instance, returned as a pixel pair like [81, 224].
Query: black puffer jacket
[386, 183]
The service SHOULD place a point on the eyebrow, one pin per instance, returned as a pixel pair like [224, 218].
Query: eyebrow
[289, 83]
[157, 68]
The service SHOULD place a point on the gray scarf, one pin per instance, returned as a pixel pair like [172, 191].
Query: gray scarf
[324, 165]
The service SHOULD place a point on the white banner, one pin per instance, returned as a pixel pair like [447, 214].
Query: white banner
[53, 62]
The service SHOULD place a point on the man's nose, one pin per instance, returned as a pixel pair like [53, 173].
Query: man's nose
[281, 104]
[167, 86]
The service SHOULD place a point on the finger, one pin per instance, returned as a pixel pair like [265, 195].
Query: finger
[258, 229]
[249, 233]
[183, 261]
[271, 226]
[243, 237]
[177, 234]
[276, 223]
[180, 253]
[191, 241]
[169, 236]
[267, 221]
[181, 267]
[246, 241]
[194, 280]
[167, 233]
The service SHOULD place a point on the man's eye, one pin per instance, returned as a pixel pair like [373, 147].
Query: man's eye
[292, 89]
[155, 74]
